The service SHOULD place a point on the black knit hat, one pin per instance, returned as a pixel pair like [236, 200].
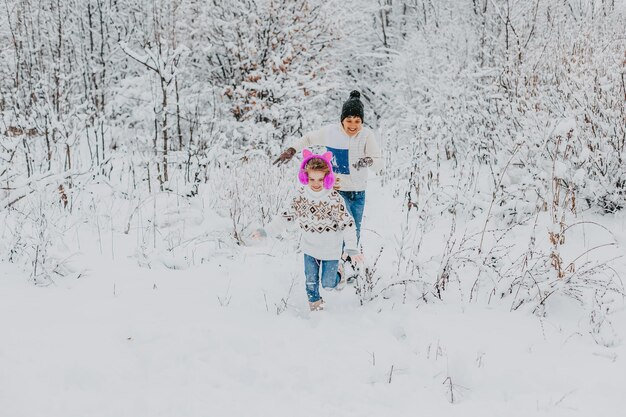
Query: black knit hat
[352, 107]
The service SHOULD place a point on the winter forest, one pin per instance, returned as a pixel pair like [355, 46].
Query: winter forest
[136, 147]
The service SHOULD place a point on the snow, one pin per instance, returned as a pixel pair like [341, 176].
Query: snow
[494, 240]
[564, 126]
[560, 170]
[233, 336]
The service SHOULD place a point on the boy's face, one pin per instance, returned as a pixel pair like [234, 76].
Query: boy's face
[352, 125]
[316, 180]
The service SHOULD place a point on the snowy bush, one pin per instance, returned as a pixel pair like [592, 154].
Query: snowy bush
[34, 230]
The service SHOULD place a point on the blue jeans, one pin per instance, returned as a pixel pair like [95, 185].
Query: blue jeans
[312, 268]
[355, 203]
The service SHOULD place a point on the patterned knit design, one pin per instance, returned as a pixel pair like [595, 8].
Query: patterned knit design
[319, 216]
[323, 220]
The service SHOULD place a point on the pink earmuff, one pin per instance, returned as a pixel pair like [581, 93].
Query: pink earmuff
[307, 155]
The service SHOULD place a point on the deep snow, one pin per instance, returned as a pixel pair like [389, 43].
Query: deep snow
[216, 340]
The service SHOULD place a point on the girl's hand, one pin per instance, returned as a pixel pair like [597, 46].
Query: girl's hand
[336, 185]
[358, 258]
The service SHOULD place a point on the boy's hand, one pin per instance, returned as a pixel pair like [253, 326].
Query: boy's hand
[363, 163]
[285, 156]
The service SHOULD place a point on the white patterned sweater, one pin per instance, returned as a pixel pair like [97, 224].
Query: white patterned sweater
[324, 221]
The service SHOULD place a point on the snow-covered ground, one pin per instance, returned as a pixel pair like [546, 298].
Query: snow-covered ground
[234, 337]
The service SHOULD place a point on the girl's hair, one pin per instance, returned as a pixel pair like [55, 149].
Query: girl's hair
[317, 164]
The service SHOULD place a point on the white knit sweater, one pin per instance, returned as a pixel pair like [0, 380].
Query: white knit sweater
[346, 152]
[324, 221]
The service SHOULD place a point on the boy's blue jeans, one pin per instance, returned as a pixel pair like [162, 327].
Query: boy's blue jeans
[355, 203]
[312, 267]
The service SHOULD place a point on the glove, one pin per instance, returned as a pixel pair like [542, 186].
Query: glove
[285, 157]
[363, 163]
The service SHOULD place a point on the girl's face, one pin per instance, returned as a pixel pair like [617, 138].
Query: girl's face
[316, 180]
[352, 125]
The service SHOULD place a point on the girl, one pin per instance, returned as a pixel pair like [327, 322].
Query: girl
[325, 223]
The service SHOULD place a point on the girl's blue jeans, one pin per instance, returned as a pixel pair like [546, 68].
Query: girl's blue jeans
[355, 203]
[329, 276]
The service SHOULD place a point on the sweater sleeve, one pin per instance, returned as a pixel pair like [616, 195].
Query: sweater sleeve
[312, 138]
[373, 151]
